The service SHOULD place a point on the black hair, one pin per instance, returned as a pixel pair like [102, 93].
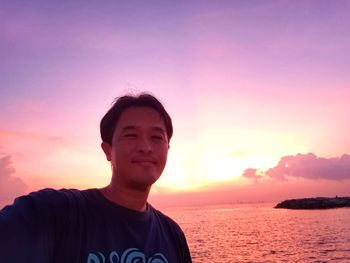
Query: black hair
[111, 118]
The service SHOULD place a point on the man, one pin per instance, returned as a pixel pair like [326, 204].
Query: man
[111, 224]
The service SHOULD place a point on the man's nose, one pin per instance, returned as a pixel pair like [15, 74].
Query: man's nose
[144, 145]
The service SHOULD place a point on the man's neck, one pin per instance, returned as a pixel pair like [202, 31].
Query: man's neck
[127, 197]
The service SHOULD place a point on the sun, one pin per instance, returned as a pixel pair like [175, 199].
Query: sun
[218, 167]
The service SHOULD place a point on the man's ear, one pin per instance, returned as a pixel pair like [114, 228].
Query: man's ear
[107, 150]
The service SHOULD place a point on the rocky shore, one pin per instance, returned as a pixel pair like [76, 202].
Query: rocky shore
[315, 203]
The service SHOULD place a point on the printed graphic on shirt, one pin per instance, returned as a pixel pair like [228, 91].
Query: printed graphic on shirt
[128, 256]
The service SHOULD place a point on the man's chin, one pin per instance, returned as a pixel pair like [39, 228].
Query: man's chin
[143, 185]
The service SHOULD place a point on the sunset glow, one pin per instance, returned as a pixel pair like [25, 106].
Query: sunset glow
[247, 83]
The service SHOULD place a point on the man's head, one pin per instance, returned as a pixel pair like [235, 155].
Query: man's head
[111, 118]
[136, 133]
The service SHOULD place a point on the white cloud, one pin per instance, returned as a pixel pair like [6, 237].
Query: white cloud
[10, 186]
[307, 166]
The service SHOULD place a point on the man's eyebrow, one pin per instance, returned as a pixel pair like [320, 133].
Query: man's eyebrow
[132, 127]
[129, 127]
[159, 129]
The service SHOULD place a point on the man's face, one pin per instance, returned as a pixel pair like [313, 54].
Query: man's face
[139, 148]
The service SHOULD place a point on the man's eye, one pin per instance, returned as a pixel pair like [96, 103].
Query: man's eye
[130, 135]
[156, 137]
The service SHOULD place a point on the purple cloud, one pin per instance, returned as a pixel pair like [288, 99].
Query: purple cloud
[252, 174]
[307, 166]
[10, 186]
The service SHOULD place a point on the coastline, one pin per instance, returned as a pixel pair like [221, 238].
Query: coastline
[315, 203]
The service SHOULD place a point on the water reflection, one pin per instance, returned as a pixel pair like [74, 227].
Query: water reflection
[259, 233]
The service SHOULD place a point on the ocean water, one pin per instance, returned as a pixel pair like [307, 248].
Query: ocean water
[260, 233]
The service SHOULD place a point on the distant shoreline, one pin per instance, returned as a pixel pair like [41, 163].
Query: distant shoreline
[315, 203]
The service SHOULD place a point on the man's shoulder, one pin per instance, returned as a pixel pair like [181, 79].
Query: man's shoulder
[50, 196]
[53, 193]
[48, 199]
[174, 234]
[166, 219]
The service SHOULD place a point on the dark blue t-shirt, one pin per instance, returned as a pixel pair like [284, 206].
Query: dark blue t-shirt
[83, 226]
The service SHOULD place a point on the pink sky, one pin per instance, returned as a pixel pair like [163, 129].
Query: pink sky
[246, 83]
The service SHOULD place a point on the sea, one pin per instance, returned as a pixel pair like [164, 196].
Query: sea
[261, 233]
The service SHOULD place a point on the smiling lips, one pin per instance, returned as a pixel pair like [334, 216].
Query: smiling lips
[145, 161]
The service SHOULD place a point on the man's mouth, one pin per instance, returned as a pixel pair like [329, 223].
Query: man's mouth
[143, 161]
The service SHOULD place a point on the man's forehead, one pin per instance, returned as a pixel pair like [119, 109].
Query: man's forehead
[140, 118]
[136, 113]
[140, 115]
[135, 127]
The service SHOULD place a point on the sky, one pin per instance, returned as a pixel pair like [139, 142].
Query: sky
[258, 92]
